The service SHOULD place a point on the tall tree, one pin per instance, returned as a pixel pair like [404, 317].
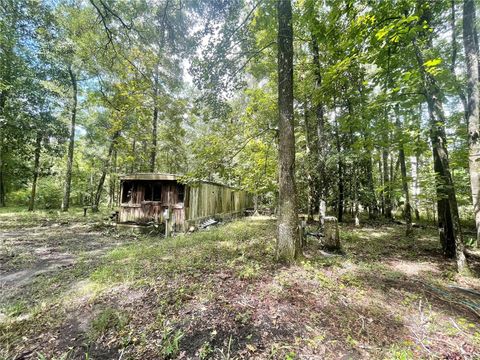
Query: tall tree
[71, 140]
[403, 168]
[288, 241]
[473, 103]
[448, 218]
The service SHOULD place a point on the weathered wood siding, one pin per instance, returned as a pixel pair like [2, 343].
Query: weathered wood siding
[206, 199]
[139, 210]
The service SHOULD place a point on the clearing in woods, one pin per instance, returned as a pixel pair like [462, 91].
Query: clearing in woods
[75, 288]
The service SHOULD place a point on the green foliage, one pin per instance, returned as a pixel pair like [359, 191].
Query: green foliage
[170, 342]
[49, 193]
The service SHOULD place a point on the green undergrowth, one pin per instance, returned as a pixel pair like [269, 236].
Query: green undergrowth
[219, 293]
[243, 243]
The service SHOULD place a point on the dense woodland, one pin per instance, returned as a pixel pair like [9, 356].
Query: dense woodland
[371, 107]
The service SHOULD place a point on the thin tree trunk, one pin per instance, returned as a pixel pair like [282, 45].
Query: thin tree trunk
[403, 170]
[153, 154]
[372, 203]
[134, 148]
[454, 37]
[386, 184]
[416, 186]
[115, 178]
[356, 206]
[310, 178]
[2, 170]
[322, 190]
[471, 57]
[448, 218]
[106, 166]
[2, 181]
[387, 174]
[36, 169]
[341, 188]
[71, 144]
[7, 78]
[382, 185]
[416, 168]
[288, 241]
[112, 181]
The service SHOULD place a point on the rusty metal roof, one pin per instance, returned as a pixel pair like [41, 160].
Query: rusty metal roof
[150, 176]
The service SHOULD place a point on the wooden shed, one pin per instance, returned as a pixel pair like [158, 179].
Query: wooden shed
[148, 197]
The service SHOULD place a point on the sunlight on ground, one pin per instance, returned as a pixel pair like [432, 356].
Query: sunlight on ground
[414, 268]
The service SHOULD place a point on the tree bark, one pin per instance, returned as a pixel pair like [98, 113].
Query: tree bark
[71, 144]
[288, 241]
[473, 95]
[448, 218]
[36, 169]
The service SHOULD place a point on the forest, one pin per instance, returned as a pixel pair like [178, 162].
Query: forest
[352, 119]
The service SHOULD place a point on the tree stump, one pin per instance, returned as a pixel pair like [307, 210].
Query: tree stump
[331, 233]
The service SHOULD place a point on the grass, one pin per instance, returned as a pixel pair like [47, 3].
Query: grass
[108, 319]
[220, 294]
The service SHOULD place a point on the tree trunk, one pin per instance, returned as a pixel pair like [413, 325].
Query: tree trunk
[71, 144]
[310, 177]
[36, 168]
[448, 218]
[454, 37]
[288, 241]
[386, 185]
[134, 149]
[382, 185]
[7, 78]
[416, 187]
[113, 181]
[2, 182]
[416, 168]
[356, 205]
[457, 84]
[106, 166]
[403, 170]
[341, 189]
[322, 189]
[2, 166]
[372, 201]
[471, 57]
[153, 155]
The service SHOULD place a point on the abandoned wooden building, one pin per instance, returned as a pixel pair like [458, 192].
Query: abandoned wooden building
[150, 197]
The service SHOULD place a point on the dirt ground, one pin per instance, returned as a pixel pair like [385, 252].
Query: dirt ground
[76, 288]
